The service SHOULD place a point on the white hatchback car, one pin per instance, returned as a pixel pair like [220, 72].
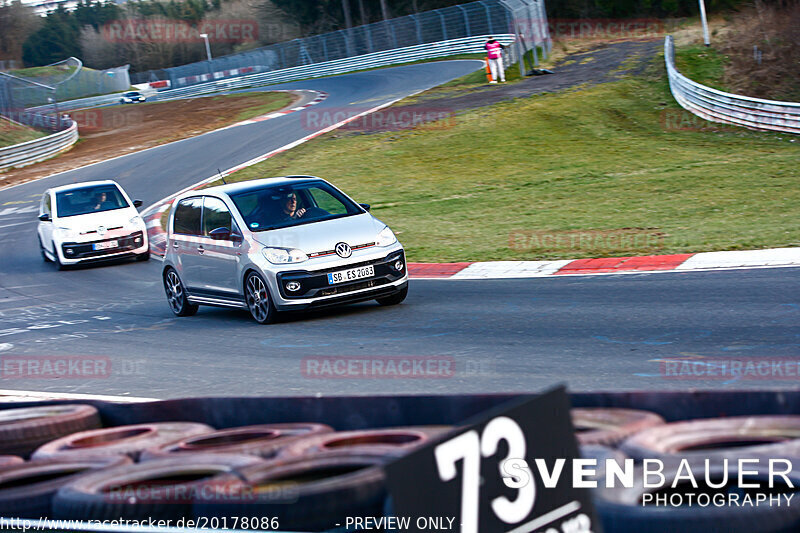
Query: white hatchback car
[90, 221]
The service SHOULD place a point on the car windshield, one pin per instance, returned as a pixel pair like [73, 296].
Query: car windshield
[282, 206]
[131, 94]
[91, 199]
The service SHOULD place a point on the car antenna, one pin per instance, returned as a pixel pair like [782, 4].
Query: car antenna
[222, 177]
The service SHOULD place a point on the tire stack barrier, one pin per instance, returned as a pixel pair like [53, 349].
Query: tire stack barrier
[308, 476]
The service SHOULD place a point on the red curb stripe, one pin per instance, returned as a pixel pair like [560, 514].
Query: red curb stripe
[622, 264]
[435, 270]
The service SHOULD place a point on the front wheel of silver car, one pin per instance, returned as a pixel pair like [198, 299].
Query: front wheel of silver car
[176, 295]
[258, 300]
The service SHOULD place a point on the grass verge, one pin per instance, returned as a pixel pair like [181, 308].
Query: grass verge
[11, 134]
[610, 159]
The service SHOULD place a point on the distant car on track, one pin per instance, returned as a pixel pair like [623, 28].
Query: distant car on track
[278, 244]
[90, 221]
[132, 97]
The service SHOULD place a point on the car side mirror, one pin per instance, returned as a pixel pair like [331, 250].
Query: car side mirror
[137, 203]
[365, 206]
[220, 234]
[44, 217]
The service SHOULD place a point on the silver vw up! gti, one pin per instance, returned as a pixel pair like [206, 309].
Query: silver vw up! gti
[278, 244]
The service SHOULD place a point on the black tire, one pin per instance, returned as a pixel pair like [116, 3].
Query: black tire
[715, 438]
[390, 442]
[23, 430]
[262, 440]
[124, 492]
[57, 260]
[259, 301]
[10, 460]
[313, 493]
[32, 486]
[120, 440]
[44, 254]
[610, 426]
[394, 299]
[143, 257]
[176, 295]
[624, 510]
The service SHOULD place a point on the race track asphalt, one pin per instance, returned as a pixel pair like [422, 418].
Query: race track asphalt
[591, 332]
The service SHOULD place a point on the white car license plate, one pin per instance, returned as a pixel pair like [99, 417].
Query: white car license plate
[104, 245]
[350, 275]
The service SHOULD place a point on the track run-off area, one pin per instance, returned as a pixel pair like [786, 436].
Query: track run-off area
[607, 332]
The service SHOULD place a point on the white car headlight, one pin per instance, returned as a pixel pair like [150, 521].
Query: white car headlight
[66, 233]
[386, 237]
[136, 220]
[282, 256]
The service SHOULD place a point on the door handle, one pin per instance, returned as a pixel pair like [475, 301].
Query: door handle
[200, 249]
[175, 244]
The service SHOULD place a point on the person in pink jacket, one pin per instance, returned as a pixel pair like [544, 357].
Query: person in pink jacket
[494, 53]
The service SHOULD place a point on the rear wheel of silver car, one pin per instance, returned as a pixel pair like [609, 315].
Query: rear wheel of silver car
[395, 298]
[258, 300]
[176, 295]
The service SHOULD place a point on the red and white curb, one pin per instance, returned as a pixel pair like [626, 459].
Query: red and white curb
[771, 258]
[320, 97]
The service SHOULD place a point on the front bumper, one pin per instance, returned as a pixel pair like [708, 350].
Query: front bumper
[77, 252]
[315, 291]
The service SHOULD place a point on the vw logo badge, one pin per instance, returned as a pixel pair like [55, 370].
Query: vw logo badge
[101, 230]
[343, 250]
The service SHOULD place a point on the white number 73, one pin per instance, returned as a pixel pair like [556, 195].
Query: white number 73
[469, 448]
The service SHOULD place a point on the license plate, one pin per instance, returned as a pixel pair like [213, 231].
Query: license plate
[350, 275]
[104, 245]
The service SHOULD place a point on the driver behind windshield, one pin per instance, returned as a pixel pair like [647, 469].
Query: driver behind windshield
[290, 210]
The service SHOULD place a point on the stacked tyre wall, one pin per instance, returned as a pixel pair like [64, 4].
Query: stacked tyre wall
[87, 462]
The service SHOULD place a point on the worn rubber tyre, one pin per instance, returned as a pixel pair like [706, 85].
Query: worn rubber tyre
[144, 256]
[25, 429]
[161, 489]
[259, 301]
[263, 440]
[394, 299]
[732, 437]
[10, 460]
[392, 442]
[621, 510]
[610, 426]
[176, 295]
[312, 493]
[27, 490]
[120, 440]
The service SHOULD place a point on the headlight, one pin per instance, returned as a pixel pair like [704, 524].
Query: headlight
[136, 220]
[66, 233]
[386, 237]
[280, 256]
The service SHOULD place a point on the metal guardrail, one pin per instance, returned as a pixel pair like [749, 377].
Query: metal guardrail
[465, 45]
[718, 106]
[37, 150]
[340, 66]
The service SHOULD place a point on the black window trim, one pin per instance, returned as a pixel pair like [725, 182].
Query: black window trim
[202, 201]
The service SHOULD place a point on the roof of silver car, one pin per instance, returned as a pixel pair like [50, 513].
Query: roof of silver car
[243, 186]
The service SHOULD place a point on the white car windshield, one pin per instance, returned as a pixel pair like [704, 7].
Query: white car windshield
[90, 199]
[281, 206]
